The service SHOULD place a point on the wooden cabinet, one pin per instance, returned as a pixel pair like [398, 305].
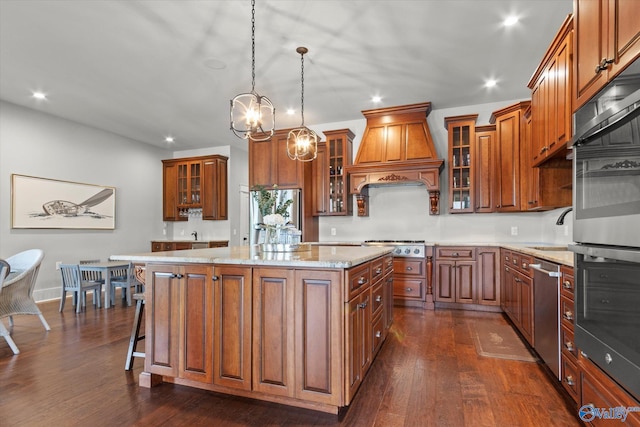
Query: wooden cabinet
[551, 98]
[358, 340]
[517, 288]
[461, 131]
[488, 276]
[569, 371]
[164, 245]
[607, 39]
[232, 327]
[484, 160]
[331, 190]
[195, 183]
[269, 164]
[178, 340]
[511, 184]
[455, 275]
[409, 281]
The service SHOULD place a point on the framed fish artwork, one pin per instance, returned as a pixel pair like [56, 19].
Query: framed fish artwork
[51, 203]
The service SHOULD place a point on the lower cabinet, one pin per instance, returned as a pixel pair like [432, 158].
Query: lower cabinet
[168, 325]
[517, 291]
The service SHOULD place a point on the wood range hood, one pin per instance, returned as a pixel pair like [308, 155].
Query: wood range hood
[396, 148]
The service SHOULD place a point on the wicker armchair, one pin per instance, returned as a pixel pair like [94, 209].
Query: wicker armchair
[16, 293]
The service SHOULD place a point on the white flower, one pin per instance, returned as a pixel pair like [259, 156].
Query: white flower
[274, 219]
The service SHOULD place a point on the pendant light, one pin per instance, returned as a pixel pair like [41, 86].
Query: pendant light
[302, 142]
[252, 116]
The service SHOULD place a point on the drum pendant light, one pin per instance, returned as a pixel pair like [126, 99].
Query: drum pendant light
[302, 142]
[252, 116]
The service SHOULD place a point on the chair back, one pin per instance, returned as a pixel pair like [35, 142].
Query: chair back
[91, 276]
[71, 279]
[27, 265]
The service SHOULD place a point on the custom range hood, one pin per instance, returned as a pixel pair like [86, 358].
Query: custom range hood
[396, 148]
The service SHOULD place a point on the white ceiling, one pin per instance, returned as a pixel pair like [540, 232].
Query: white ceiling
[142, 69]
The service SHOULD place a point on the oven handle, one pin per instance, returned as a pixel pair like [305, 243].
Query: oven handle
[609, 128]
[618, 254]
[547, 272]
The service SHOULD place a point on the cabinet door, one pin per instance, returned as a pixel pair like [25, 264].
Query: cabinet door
[465, 282]
[525, 285]
[318, 336]
[162, 320]
[170, 192]
[287, 173]
[388, 301]
[196, 345]
[214, 194]
[539, 114]
[355, 344]
[488, 276]
[261, 164]
[511, 300]
[624, 34]
[273, 334]
[321, 189]
[561, 111]
[445, 281]
[508, 134]
[232, 327]
[485, 169]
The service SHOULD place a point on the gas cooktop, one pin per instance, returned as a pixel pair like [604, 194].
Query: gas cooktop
[402, 248]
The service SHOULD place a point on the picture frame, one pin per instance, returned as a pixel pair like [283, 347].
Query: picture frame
[51, 203]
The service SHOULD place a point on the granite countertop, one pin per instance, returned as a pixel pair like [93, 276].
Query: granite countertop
[338, 256]
[553, 252]
[189, 240]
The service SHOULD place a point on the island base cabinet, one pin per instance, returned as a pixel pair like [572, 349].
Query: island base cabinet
[169, 327]
[273, 320]
[232, 327]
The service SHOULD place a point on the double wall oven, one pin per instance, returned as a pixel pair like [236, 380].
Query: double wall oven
[607, 228]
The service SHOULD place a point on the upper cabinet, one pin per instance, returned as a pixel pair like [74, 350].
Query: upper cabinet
[551, 99]
[607, 39]
[511, 180]
[269, 163]
[195, 183]
[485, 168]
[461, 131]
[330, 189]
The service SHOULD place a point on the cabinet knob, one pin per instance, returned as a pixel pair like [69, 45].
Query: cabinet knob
[362, 280]
[525, 265]
[363, 304]
[177, 276]
[378, 270]
[569, 346]
[603, 65]
[569, 380]
[567, 284]
[379, 298]
[409, 268]
[568, 315]
[215, 278]
[409, 289]
[456, 254]
[378, 334]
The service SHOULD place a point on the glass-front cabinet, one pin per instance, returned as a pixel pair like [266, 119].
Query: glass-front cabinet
[331, 187]
[461, 131]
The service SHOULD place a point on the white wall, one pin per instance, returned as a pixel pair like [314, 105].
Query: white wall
[401, 212]
[37, 144]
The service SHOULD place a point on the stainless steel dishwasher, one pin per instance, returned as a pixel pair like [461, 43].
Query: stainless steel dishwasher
[546, 320]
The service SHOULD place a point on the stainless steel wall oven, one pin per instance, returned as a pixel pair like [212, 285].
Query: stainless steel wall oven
[606, 229]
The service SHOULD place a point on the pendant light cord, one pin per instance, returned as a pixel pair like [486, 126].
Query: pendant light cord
[302, 91]
[253, 46]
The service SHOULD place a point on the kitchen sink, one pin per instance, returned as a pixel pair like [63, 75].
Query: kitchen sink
[549, 248]
[199, 245]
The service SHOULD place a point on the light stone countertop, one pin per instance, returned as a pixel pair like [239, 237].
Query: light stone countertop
[318, 257]
[564, 257]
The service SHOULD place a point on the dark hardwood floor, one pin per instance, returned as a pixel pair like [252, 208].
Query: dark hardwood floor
[427, 374]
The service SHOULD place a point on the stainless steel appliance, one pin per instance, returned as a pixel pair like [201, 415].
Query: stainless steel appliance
[401, 248]
[546, 294]
[294, 212]
[607, 229]
[607, 164]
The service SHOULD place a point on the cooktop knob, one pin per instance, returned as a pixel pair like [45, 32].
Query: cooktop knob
[407, 251]
[416, 251]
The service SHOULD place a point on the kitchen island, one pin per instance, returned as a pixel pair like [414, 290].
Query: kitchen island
[298, 328]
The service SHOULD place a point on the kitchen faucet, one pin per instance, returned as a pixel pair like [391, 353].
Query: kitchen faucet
[195, 234]
[560, 220]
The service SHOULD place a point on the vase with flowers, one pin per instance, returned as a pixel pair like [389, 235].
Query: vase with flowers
[274, 209]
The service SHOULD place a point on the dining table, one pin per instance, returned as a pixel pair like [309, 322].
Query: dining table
[105, 268]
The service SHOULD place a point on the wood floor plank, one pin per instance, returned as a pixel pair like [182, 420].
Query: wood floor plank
[426, 374]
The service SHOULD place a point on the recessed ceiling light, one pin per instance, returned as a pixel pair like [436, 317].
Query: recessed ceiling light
[214, 64]
[490, 83]
[376, 99]
[39, 95]
[510, 20]
[291, 111]
[169, 139]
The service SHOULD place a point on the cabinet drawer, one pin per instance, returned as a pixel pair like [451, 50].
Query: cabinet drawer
[570, 376]
[408, 288]
[377, 298]
[568, 343]
[377, 333]
[377, 269]
[357, 277]
[408, 266]
[466, 253]
[521, 262]
[567, 286]
[388, 263]
[566, 312]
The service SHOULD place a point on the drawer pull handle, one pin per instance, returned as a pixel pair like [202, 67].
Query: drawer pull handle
[567, 284]
[569, 380]
[569, 346]
[177, 276]
[362, 280]
[379, 298]
[568, 315]
[409, 268]
[409, 289]
[378, 334]
[456, 254]
[515, 262]
[363, 305]
[378, 270]
[525, 265]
